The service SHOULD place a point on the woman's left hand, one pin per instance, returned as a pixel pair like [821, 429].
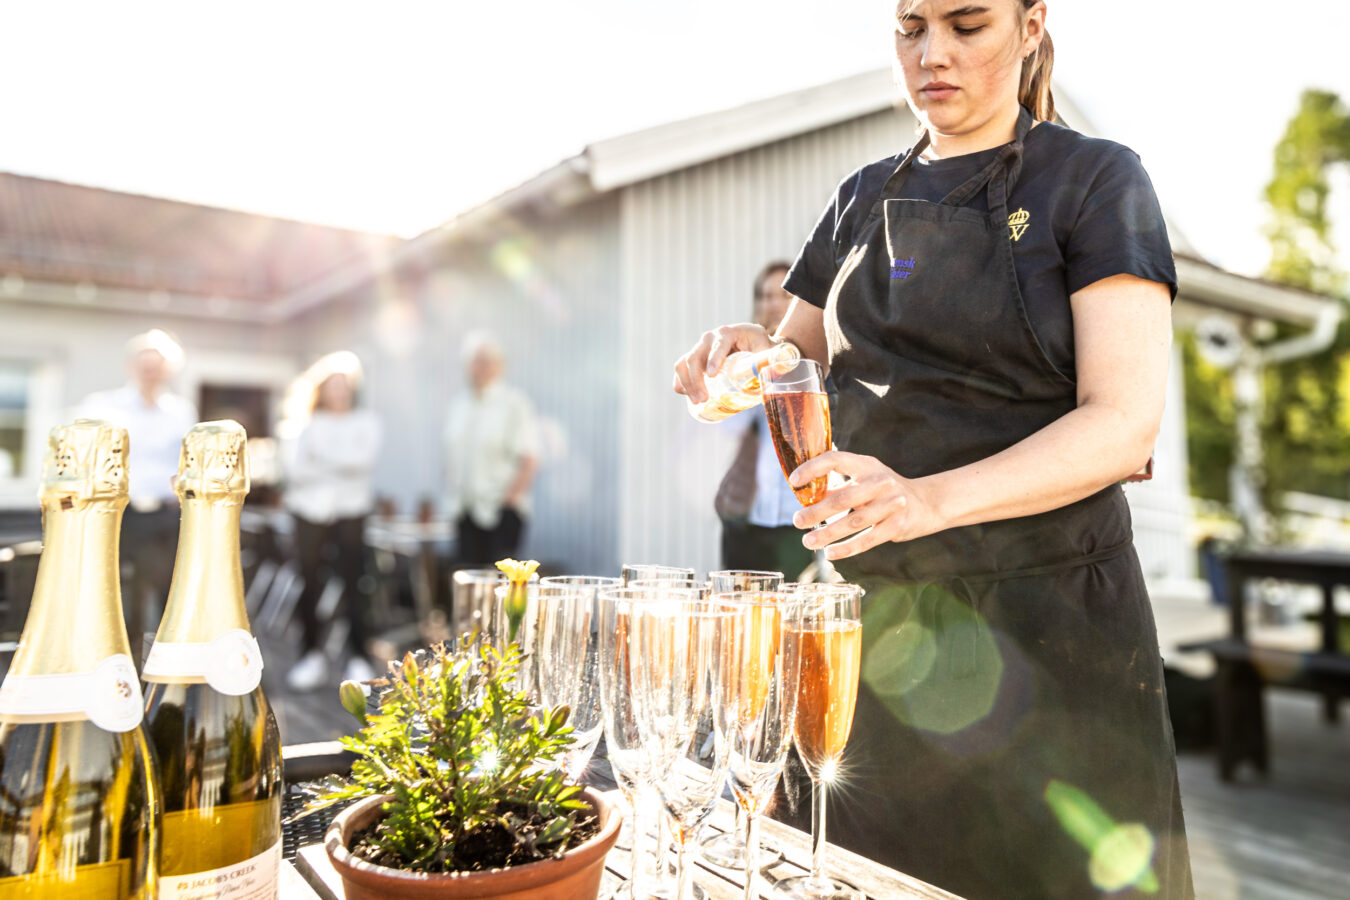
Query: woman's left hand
[885, 506]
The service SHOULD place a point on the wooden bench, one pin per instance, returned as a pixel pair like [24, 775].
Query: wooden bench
[1244, 669]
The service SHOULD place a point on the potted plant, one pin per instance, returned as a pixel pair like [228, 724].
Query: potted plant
[460, 792]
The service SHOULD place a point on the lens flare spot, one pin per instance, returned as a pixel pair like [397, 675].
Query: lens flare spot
[1119, 856]
[1122, 859]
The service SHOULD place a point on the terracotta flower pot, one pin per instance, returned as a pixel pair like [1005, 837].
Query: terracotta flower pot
[576, 876]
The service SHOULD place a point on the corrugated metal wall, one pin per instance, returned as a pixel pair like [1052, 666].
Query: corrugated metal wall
[692, 243]
[547, 291]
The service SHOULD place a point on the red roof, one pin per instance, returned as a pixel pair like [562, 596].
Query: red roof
[55, 231]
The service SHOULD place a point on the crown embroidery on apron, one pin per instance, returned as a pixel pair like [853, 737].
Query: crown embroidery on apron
[1017, 224]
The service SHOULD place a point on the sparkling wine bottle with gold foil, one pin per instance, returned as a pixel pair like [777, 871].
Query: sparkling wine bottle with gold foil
[213, 730]
[79, 803]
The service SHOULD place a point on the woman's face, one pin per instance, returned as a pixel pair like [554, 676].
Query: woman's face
[961, 59]
[772, 301]
[335, 393]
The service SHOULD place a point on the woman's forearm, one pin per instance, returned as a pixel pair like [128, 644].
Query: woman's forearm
[1074, 457]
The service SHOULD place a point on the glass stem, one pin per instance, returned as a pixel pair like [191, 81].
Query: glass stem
[740, 819]
[663, 839]
[641, 862]
[818, 829]
[684, 887]
[751, 854]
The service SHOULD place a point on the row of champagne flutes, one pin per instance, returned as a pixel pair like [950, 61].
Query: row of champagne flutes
[727, 673]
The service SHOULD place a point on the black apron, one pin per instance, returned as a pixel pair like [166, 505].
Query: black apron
[1011, 736]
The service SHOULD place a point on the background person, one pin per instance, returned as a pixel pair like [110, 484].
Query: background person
[329, 495]
[994, 308]
[156, 419]
[490, 458]
[755, 501]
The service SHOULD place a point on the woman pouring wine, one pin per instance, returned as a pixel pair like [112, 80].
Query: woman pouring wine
[994, 309]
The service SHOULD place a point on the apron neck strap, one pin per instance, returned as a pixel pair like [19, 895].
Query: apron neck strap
[1001, 174]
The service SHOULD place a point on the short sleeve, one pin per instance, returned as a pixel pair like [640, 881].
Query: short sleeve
[812, 273]
[1120, 228]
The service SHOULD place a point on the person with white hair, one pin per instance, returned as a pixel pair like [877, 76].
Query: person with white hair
[329, 494]
[491, 457]
[156, 419]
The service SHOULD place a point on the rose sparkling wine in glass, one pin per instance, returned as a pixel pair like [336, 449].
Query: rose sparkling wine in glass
[728, 848]
[798, 411]
[828, 641]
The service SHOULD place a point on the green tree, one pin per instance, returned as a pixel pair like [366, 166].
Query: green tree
[1306, 422]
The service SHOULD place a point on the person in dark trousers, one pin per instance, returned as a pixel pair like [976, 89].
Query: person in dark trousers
[755, 502]
[994, 308]
[329, 496]
[491, 458]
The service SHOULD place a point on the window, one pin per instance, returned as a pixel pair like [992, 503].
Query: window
[29, 406]
[15, 383]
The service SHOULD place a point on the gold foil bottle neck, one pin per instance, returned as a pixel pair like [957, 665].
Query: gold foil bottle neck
[85, 462]
[214, 462]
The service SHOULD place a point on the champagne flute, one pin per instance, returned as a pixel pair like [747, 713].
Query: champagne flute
[798, 411]
[757, 705]
[647, 574]
[728, 849]
[644, 572]
[565, 645]
[675, 645]
[828, 639]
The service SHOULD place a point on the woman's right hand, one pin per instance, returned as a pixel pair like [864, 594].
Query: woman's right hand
[711, 351]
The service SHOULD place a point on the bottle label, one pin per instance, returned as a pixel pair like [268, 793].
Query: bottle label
[252, 879]
[231, 663]
[109, 695]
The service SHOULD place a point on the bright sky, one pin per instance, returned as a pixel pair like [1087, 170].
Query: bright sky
[393, 116]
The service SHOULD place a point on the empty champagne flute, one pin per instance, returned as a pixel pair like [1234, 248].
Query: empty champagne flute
[798, 411]
[565, 645]
[657, 576]
[628, 756]
[828, 642]
[728, 849]
[675, 647]
[643, 572]
[757, 705]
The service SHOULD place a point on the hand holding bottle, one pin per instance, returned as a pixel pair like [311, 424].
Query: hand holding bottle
[711, 351]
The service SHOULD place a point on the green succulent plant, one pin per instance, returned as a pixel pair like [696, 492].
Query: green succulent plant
[472, 771]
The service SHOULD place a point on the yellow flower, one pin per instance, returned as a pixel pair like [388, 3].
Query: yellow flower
[517, 594]
[517, 572]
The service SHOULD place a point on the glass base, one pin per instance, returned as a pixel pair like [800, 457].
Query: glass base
[728, 851]
[804, 887]
[665, 892]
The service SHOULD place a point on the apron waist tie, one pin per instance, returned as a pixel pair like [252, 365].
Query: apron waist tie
[957, 581]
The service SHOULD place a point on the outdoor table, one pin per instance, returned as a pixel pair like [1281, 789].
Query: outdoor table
[1244, 668]
[417, 541]
[310, 877]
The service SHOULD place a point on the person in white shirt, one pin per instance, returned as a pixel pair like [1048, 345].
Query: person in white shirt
[491, 458]
[156, 420]
[329, 495]
[763, 537]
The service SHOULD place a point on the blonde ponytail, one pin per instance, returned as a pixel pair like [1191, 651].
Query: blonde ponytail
[1033, 91]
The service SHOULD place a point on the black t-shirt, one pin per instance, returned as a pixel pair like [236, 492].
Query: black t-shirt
[1091, 213]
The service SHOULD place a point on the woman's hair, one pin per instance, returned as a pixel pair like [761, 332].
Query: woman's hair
[1033, 90]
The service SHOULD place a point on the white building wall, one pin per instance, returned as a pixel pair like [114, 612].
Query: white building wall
[548, 291]
[80, 350]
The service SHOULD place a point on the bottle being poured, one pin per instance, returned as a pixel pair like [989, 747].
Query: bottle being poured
[738, 385]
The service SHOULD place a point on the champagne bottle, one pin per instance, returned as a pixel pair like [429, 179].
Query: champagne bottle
[213, 730]
[736, 386]
[79, 804]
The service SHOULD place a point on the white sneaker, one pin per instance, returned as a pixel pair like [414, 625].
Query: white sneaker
[310, 672]
[358, 669]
